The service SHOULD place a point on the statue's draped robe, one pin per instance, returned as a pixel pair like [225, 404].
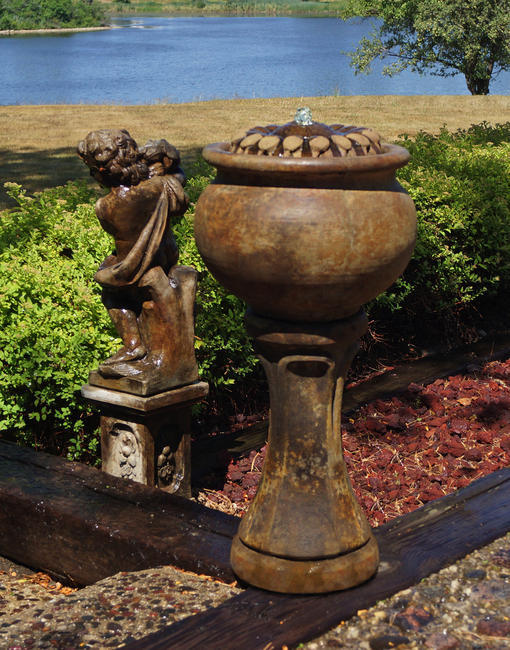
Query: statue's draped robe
[155, 245]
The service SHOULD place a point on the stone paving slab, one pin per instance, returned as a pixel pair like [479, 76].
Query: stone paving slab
[465, 606]
[108, 614]
[17, 590]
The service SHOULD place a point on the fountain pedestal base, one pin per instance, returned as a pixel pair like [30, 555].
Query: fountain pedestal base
[305, 532]
[290, 576]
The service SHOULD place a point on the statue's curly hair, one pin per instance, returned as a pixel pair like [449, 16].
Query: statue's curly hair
[161, 151]
[113, 157]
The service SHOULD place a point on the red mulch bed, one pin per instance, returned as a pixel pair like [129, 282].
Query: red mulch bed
[408, 450]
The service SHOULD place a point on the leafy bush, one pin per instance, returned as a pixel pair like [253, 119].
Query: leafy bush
[54, 329]
[47, 14]
[460, 183]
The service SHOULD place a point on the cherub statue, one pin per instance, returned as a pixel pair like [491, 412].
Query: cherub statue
[149, 299]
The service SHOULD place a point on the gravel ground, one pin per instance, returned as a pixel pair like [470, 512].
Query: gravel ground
[109, 614]
[465, 606]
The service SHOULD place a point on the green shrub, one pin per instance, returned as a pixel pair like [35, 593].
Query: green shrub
[460, 183]
[48, 14]
[54, 329]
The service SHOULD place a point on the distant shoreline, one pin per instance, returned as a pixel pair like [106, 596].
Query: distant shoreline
[56, 30]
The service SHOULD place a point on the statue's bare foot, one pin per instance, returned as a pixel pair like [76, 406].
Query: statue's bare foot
[125, 355]
[122, 369]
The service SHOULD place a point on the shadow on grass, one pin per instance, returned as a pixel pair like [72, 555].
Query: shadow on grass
[39, 169]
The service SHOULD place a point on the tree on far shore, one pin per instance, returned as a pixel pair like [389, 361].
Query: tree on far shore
[441, 37]
[48, 14]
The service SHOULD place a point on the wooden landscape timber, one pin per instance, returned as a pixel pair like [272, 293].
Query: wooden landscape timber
[83, 525]
[412, 547]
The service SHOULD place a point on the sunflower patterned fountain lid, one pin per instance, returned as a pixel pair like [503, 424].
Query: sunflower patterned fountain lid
[304, 138]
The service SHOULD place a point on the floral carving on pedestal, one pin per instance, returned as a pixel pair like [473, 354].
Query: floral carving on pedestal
[126, 453]
[127, 456]
[166, 466]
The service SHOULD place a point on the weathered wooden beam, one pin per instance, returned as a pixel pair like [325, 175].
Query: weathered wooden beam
[82, 524]
[412, 547]
[426, 370]
[79, 523]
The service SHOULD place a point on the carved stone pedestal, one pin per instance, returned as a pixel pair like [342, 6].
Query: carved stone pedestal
[305, 532]
[147, 439]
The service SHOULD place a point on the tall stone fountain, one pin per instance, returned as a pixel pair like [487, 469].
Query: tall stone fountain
[305, 222]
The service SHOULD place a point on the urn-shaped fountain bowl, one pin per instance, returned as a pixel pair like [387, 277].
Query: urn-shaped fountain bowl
[305, 222]
[311, 234]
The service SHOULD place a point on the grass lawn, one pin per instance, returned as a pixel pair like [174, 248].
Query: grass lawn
[342, 8]
[38, 143]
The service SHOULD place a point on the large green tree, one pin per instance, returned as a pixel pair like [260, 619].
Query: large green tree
[442, 37]
[38, 14]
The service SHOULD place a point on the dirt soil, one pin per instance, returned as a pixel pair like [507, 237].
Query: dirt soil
[408, 450]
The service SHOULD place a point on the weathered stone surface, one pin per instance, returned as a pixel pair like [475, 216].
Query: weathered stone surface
[309, 138]
[413, 618]
[139, 404]
[458, 603]
[476, 574]
[442, 641]
[110, 613]
[321, 519]
[387, 641]
[491, 626]
[305, 243]
[502, 558]
[147, 439]
[148, 296]
[312, 243]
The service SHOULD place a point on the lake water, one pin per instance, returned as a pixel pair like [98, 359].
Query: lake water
[147, 60]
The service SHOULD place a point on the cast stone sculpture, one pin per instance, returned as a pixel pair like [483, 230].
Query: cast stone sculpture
[148, 296]
[305, 222]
